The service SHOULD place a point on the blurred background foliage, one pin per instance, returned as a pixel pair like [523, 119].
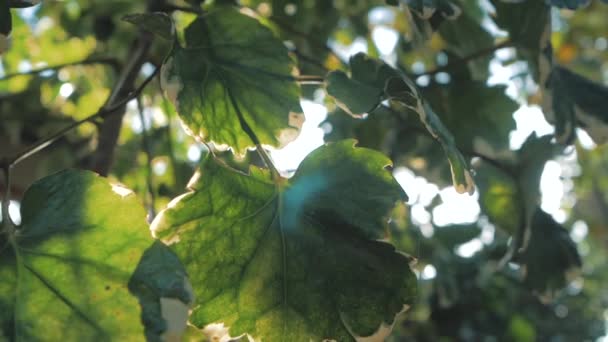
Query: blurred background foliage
[481, 72]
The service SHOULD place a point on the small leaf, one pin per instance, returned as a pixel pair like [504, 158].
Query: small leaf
[404, 91]
[296, 263]
[232, 83]
[158, 23]
[65, 274]
[551, 257]
[380, 82]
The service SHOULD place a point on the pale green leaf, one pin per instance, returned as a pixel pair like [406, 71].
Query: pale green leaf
[232, 83]
[295, 263]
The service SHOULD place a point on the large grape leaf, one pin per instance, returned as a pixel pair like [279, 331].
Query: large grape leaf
[232, 83]
[381, 82]
[297, 262]
[65, 269]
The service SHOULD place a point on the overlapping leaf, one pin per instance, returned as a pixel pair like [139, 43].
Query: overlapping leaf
[384, 83]
[65, 269]
[294, 263]
[158, 23]
[232, 83]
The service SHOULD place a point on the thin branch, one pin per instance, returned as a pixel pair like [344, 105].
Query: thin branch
[148, 151]
[310, 79]
[468, 58]
[110, 128]
[101, 113]
[113, 62]
[7, 223]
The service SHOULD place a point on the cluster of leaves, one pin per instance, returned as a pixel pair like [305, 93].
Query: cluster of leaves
[286, 259]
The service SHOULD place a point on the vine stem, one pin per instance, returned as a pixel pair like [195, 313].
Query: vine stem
[113, 62]
[102, 112]
[468, 58]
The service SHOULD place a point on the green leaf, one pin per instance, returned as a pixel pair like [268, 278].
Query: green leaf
[164, 291]
[363, 91]
[380, 82]
[529, 26]
[551, 258]
[66, 270]
[158, 23]
[297, 262]
[232, 83]
[479, 116]
[404, 91]
[572, 101]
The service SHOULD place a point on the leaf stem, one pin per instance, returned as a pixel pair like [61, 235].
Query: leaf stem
[468, 58]
[102, 112]
[113, 62]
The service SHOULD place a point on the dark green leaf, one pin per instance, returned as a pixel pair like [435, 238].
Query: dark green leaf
[363, 91]
[157, 23]
[232, 84]
[65, 274]
[403, 90]
[161, 284]
[480, 117]
[296, 262]
[380, 82]
[572, 101]
[551, 258]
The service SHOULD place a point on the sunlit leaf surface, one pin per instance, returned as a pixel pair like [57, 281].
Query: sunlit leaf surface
[233, 80]
[295, 263]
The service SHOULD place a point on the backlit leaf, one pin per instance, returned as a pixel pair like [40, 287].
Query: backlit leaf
[233, 80]
[297, 262]
[66, 269]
